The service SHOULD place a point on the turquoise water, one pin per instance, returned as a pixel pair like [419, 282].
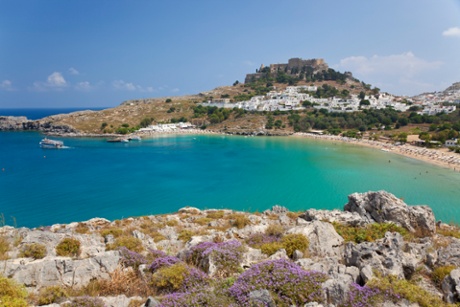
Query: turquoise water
[93, 178]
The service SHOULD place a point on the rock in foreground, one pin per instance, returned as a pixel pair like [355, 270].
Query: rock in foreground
[373, 251]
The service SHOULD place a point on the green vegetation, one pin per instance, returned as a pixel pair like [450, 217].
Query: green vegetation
[406, 289]
[294, 241]
[439, 273]
[68, 247]
[50, 295]
[131, 243]
[33, 250]
[11, 293]
[368, 233]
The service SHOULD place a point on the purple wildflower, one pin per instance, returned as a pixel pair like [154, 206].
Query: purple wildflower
[284, 279]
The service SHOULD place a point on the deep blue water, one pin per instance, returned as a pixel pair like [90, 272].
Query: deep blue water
[38, 113]
[93, 178]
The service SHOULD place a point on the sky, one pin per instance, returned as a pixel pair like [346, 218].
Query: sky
[86, 53]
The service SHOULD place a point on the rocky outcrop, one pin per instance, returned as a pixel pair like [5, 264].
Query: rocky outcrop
[21, 123]
[380, 207]
[11, 123]
[344, 263]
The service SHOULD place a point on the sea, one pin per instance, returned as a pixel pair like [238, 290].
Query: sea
[91, 177]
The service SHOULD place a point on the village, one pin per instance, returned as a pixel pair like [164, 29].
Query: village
[295, 97]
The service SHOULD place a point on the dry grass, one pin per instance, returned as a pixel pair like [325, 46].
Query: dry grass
[4, 248]
[122, 281]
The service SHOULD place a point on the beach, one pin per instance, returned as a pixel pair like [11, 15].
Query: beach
[440, 157]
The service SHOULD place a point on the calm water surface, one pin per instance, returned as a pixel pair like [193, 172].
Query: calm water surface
[93, 178]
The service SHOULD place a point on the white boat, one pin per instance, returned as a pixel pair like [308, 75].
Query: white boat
[48, 143]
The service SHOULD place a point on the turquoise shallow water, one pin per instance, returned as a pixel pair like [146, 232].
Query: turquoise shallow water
[94, 178]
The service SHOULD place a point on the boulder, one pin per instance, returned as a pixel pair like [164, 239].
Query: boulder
[324, 240]
[381, 207]
[451, 287]
[449, 254]
[60, 270]
[338, 216]
[385, 255]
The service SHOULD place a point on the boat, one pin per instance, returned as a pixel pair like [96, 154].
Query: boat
[48, 143]
[118, 140]
[134, 138]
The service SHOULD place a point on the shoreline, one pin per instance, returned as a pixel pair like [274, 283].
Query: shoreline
[438, 157]
[432, 156]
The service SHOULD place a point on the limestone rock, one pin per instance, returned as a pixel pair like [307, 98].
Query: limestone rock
[342, 217]
[261, 296]
[385, 255]
[450, 254]
[324, 240]
[451, 287]
[380, 207]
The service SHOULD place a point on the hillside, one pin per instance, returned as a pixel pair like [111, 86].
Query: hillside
[377, 250]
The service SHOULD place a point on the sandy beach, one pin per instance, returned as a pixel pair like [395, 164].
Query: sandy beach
[440, 157]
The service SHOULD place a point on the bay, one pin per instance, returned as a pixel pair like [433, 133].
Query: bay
[93, 178]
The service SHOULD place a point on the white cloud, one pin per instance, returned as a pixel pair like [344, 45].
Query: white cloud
[73, 71]
[249, 63]
[84, 86]
[55, 81]
[6, 85]
[128, 86]
[399, 73]
[454, 31]
[175, 90]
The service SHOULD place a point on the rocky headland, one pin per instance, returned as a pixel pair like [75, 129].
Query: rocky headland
[376, 252]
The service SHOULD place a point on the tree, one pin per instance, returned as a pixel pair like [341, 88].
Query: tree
[362, 95]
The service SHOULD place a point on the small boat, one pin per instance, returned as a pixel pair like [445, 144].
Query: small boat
[48, 143]
[134, 138]
[118, 140]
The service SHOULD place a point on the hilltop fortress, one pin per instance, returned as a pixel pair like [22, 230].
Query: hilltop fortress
[295, 66]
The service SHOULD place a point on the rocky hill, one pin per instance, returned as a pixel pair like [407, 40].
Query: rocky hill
[377, 252]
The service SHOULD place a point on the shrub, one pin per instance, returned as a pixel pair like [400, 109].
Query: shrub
[130, 258]
[240, 220]
[4, 248]
[115, 232]
[131, 243]
[172, 223]
[164, 261]
[288, 283]
[215, 214]
[178, 278]
[407, 290]
[11, 293]
[68, 247]
[365, 296]
[439, 273]
[271, 248]
[50, 295]
[122, 281]
[257, 240]
[82, 228]
[185, 235]
[33, 250]
[203, 221]
[294, 241]
[226, 256]
[275, 231]
[367, 233]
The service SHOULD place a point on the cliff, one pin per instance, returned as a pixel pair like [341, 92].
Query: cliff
[21, 123]
[378, 251]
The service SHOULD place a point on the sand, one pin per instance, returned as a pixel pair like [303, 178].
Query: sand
[440, 157]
